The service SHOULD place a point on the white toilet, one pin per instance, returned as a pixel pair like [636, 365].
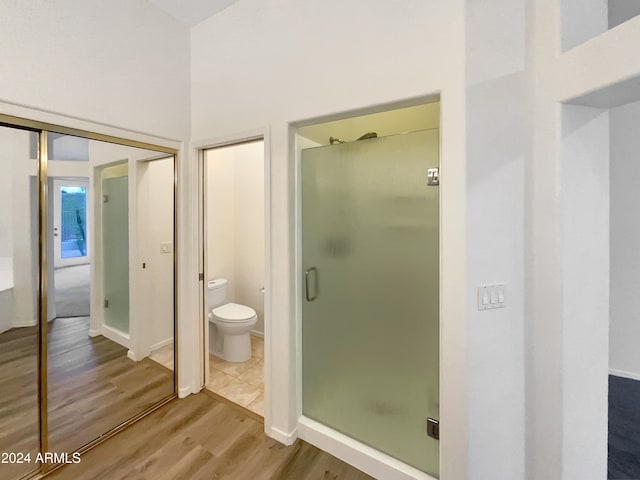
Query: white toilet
[229, 324]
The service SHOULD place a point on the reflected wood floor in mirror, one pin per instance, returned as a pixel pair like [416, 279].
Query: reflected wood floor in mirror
[93, 387]
[18, 397]
[200, 437]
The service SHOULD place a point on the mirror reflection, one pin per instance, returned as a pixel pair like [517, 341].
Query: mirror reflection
[111, 286]
[19, 404]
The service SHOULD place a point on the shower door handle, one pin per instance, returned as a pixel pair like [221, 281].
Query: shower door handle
[307, 274]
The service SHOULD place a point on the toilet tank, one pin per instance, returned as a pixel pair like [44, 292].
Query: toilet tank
[216, 292]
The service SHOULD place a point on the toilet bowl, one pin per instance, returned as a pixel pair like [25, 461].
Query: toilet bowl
[233, 324]
[230, 325]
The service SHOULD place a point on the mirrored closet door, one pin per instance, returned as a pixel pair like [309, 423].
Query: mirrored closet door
[94, 350]
[19, 405]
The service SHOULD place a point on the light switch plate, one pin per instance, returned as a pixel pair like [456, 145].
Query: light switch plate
[492, 296]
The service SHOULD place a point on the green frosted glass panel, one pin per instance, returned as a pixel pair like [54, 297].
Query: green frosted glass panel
[115, 234]
[370, 339]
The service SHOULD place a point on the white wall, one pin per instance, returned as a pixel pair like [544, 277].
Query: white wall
[23, 220]
[9, 140]
[220, 186]
[158, 220]
[235, 223]
[118, 68]
[566, 230]
[266, 64]
[123, 63]
[7, 137]
[497, 75]
[624, 354]
[585, 265]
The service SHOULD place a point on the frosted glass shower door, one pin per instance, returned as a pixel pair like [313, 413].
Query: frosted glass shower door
[115, 248]
[370, 326]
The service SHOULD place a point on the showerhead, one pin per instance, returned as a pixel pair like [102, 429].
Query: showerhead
[366, 136]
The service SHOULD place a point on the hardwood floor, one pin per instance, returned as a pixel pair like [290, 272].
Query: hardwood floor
[18, 398]
[93, 387]
[200, 437]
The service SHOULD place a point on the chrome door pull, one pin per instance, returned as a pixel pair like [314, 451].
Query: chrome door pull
[315, 282]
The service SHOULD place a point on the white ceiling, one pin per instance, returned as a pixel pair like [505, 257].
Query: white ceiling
[192, 12]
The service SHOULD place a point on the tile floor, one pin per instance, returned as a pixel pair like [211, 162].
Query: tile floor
[163, 356]
[242, 383]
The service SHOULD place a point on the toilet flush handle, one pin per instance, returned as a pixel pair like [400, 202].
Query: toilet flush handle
[308, 282]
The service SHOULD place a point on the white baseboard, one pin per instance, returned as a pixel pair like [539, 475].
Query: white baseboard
[256, 333]
[115, 336]
[623, 374]
[159, 345]
[361, 456]
[131, 355]
[95, 333]
[283, 437]
[185, 391]
[24, 323]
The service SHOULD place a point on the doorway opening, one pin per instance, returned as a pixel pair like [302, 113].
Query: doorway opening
[600, 358]
[72, 259]
[623, 397]
[234, 272]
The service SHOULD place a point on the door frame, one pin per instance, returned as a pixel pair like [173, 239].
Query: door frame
[198, 150]
[344, 447]
[58, 182]
[97, 324]
[139, 345]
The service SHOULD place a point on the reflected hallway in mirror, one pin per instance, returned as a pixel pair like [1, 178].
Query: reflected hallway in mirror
[113, 290]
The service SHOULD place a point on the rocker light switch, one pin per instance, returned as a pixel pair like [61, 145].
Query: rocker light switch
[492, 296]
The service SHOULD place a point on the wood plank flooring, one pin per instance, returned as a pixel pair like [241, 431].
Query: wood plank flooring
[93, 387]
[18, 397]
[201, 437]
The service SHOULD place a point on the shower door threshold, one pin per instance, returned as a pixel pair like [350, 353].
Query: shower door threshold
[363, 457]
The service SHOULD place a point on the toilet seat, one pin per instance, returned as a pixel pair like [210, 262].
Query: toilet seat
[233, 313]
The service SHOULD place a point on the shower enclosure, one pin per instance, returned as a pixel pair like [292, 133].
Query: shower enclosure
[115, 227]
[370, 312]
